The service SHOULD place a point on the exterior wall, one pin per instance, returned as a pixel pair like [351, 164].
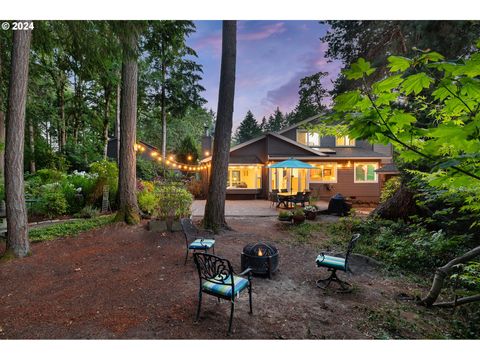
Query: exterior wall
[277, 147]
[363, 192]
[258, 149]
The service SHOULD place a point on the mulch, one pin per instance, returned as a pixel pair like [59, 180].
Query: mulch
[126, 282]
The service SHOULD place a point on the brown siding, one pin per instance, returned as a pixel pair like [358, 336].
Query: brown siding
[258, 149]
[369, 192]
[277, 147]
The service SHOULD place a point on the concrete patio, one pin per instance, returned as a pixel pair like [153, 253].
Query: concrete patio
[246, 208]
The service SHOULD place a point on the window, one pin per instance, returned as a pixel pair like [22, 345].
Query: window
[324, 173]
[365, 172]
[309, 139]
[344, 141]
[244, 177]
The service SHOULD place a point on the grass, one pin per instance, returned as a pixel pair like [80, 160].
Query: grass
[68, 228]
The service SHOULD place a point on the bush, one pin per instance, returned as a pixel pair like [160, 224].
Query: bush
[107, 174]
[88, 212]
[389, 188]
[147, 197]
[147, 169]
[196, 188]
[173, 201]
[51, 200]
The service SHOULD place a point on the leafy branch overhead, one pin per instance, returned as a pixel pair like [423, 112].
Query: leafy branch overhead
[429, 108]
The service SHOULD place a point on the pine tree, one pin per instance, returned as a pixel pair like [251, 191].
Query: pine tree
[248, 129]
[276, 121]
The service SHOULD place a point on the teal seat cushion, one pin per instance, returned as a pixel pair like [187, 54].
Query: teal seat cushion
[226, 288]
[201, 244]
[331, 262]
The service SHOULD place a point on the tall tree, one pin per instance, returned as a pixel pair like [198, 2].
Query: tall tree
[276, 121]
[128, 208]
[17, 227]
[215, 206]
[248, 129]
[173, 76]
[375, 40]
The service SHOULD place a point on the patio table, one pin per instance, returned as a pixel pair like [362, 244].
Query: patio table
[285, 198]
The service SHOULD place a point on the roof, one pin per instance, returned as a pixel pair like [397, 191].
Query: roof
[356, 152]
[299, 123]
[245, 160]
[388, 169]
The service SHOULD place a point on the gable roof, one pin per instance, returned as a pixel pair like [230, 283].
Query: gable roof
[276, 135]
[299, 123]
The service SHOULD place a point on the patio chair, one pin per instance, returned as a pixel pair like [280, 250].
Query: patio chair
[194, 239]
[273, 197]
[283, 190]
[306, 198]
[298, 199]
[333, 264]
[217, 278]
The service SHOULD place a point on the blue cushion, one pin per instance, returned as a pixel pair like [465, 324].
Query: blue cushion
[201, 244]
[331, 262]
[225, 289]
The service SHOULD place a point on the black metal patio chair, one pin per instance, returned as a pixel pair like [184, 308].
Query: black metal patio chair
[333, 263]
[273, 197]
[195, 239]
[299, 199]
[283, 190]
[217, 278]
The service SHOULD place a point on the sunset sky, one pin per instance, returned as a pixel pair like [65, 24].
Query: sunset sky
[272, 57]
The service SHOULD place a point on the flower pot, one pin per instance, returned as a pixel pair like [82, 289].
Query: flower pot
[310, 215]
[298, 219]
[286, 218]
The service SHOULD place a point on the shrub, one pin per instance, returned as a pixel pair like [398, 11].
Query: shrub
[147, 169]
[107, 174]
[147, 197]
[88, 212]
[196, 188]
[51, 200]
[389, 188]
[173, 201]
[48, 176]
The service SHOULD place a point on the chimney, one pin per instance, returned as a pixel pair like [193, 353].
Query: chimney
[206, 144]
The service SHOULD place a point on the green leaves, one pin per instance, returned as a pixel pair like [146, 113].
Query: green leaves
[388, 84]
[402, 119]
[399, 63]
[359, 69]
[347, 100]
[416, 83]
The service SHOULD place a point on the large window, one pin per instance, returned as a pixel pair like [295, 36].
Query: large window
[244, 177]
[344, 141]
[309, 139]
[365, 172]
[324, 173]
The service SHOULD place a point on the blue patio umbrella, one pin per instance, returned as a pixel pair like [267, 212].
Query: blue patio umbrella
[291, 164]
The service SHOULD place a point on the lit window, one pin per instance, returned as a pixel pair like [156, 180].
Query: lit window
[365, 172]
[324, 173]
[309, 139]
[244, 177]
[344, 141]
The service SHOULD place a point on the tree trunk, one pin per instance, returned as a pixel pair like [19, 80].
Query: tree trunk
[215, 206]
[164, 128]
[117, 123]
[128, 208]
[17, 226]
[106, 120]
[2, 126]
[31, 144]
[442, 272]
[62, 141]
[401, 205]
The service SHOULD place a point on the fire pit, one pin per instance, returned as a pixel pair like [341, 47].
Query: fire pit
[262, 258]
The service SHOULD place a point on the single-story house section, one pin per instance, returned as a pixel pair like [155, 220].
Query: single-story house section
[342, 165]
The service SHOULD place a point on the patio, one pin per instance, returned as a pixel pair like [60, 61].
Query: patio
[246, 208]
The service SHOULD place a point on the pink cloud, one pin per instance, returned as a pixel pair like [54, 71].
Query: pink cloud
[264, 33]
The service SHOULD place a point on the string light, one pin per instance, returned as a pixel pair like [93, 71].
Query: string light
[171, 160]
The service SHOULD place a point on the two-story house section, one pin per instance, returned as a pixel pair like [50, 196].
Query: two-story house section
[342, 164]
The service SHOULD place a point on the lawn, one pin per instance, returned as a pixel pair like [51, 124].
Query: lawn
[126, 282]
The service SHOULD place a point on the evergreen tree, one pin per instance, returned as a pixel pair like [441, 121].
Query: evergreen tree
[187, 151]
[248, 129]
[276, 121]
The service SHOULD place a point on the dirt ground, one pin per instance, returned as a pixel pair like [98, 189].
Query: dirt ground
[127, 282]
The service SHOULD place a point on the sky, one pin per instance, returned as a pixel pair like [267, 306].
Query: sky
[272, 57]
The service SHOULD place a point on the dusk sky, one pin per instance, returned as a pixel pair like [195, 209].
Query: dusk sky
[272, 57]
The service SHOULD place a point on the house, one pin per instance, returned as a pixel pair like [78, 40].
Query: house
[343, 165]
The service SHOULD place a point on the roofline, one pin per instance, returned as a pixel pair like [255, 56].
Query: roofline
[296, 143]
[239, 146]
[299, 123]
[327, 157]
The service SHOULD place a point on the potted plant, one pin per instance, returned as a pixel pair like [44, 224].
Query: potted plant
[310, 212]
[298, 216]
[285, 216]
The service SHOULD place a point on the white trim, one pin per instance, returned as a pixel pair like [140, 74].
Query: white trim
[355, 181]
[296, 143]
